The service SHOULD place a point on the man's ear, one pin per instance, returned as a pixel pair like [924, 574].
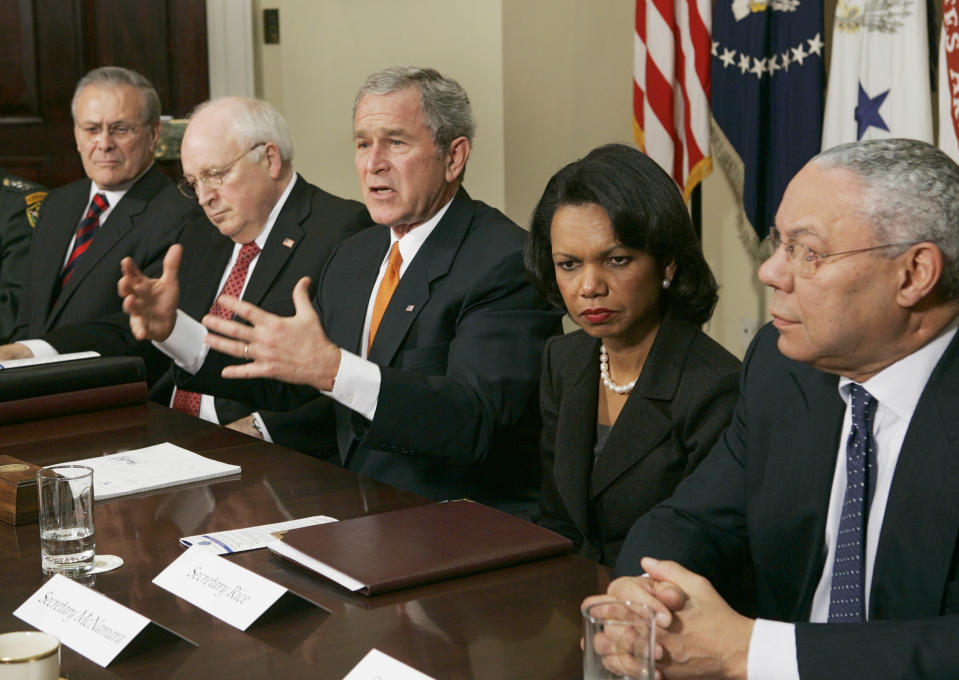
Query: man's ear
[920, 271]
[456, 157]
[274, 163]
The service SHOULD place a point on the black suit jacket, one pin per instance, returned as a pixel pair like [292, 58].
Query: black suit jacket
[759, 501]
[309, 225]
[682, 401]
[459, 350]
[146, 221]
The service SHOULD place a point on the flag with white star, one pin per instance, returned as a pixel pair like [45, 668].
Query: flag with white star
[767, 83]
[878, 73]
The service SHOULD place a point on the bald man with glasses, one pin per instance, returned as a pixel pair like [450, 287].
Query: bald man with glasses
[818, 539]
[265, 227]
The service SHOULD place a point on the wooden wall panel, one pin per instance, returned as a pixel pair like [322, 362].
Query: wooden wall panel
[54, 42]
[19, 100]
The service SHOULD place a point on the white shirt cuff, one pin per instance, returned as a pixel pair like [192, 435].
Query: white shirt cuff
[772, 652]
[41, 349]
[262, 427]
[357, 384]
[185, 344]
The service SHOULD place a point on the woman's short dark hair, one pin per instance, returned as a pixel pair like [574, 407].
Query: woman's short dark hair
[647, 213]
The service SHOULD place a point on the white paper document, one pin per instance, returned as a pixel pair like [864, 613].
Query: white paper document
[376, 665]
[154, 467]
[34, 361]
[251, 538]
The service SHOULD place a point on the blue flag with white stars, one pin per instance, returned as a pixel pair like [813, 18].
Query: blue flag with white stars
[767, 83]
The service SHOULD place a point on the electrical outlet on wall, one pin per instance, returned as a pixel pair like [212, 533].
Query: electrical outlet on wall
[747, 331]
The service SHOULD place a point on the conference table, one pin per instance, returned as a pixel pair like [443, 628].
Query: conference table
[516, 622]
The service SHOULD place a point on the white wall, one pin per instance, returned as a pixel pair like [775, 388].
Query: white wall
[549, 80]
[328, 48]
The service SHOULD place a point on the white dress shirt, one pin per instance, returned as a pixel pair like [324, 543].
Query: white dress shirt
[897, 388]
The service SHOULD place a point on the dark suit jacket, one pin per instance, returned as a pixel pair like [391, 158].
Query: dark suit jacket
[459, 351]
[307, 228]
[759, 502]
[672, 418]
[146, 221]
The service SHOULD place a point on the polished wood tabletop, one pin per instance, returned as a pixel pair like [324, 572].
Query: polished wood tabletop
[519, 622]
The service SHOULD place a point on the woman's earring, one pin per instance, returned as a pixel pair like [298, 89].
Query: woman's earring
[666, 283]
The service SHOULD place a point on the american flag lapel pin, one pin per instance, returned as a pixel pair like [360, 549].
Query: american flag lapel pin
[410, 308]
[288, 242]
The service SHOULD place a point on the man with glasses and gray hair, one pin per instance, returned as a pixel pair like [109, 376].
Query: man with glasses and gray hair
[125, 207]
[265, 228]
[424, 331]
[832, 494]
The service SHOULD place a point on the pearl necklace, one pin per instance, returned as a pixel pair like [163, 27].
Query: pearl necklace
[604, 373]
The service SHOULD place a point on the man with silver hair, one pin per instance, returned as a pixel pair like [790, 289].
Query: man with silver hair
[265, 228]
[424, 331]
[833, 492]
[125, 207]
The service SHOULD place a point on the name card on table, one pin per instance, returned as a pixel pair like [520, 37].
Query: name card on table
[376, 665]
[86, 621]
[225, 590]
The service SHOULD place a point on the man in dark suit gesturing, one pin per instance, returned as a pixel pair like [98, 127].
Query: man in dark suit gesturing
[125, 207]
[265, 228]
[425, 332]
[834, 488]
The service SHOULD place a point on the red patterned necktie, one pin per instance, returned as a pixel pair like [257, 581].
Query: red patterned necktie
[189, 402]
[85, 232]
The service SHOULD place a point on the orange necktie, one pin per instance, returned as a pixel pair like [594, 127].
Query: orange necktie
[390, 279]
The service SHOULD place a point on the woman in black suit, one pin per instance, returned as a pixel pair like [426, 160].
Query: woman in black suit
[633, 401]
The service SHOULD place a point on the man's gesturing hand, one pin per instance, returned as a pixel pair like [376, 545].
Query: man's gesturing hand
[293, 349]
[151, 303]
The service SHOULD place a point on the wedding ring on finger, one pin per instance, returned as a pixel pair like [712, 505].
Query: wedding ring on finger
[246, 352]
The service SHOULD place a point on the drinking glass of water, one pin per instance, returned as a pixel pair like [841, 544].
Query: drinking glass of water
[65, 496]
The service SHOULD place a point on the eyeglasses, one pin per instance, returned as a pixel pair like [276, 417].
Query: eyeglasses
[805, 261]
[212, 178]
[118, 131]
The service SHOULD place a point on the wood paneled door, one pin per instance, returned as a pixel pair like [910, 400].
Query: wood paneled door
[48, 45]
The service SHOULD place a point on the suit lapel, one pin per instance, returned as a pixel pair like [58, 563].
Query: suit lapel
[284, 238]
[921, 523]
[49, 268]
[353, 296]
[575, 434]
[434, 259]
[200, 286]
[644, 421]
[802, 446]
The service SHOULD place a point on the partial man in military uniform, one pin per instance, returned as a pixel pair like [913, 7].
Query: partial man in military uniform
[19, 205]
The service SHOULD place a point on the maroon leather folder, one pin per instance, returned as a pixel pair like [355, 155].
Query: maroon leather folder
[420, 545]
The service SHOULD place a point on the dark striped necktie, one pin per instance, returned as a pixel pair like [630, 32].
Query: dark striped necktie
[85, 232]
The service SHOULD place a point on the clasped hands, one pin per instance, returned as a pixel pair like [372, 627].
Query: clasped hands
[292, 349]
[698, 635]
